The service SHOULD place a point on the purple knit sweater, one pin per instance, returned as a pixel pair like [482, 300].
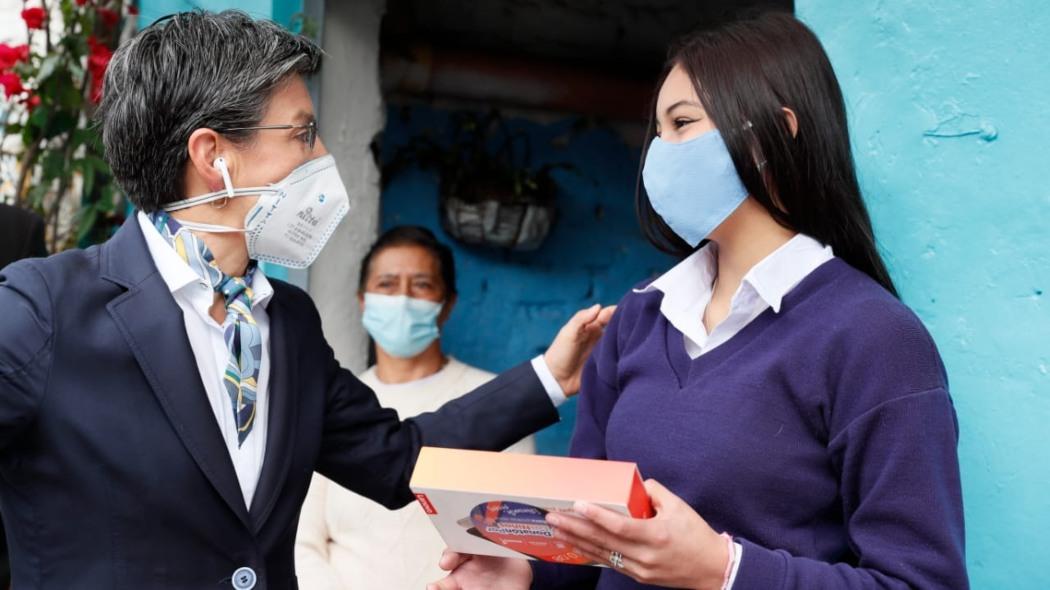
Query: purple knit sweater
[821, 437]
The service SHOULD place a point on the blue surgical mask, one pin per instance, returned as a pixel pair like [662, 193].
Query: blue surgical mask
[401, 325]
[692, 185]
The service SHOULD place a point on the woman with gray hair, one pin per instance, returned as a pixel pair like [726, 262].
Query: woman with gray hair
[162, 402]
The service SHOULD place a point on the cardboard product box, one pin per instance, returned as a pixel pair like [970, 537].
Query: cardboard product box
[486, 503]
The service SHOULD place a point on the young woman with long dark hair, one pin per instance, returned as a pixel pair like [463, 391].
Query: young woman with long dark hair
[794, 412]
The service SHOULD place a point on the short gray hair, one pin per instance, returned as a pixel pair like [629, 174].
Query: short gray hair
[188, 71]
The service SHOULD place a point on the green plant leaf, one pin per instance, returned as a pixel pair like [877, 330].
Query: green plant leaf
[97, 163]
[79, 137]
[53, 165]
[106, 202]
[63, 122]
[88, 137]
[87, 172]
[67, 17]
[47, 68]
[70, 96]
[108, 194]
[40, 117]
[37, 193]
[88, 216]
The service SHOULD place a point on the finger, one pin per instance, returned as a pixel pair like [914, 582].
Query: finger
[583, 546]
[599, 555]
[597, 325]
[584, 317]
[588, 314]
[603, 555]
[600, 319]
[450, 560]
[661, 497]
[618, 525]
[583, 531]
[592, 332]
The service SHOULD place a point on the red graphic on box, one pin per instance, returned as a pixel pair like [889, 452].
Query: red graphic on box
[425, 503]
[522, 528]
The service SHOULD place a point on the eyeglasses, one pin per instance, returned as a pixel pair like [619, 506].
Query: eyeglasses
[311, 130]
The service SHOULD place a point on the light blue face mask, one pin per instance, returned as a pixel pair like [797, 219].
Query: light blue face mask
[401, 325]
[692, 185]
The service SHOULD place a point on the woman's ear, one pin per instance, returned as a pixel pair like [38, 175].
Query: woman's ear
[203, 149]
[361, 301]
[792, 120]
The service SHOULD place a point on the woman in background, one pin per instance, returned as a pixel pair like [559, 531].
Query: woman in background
[407, 291]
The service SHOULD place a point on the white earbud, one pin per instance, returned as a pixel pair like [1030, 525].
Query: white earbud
[220, 164]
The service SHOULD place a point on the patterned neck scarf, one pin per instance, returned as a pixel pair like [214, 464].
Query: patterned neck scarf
[243, 339]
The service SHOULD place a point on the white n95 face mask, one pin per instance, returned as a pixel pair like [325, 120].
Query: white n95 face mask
[293, 218]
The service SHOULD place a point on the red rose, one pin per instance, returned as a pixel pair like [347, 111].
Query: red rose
[108, 17]
[12, 54]
[81, 2]
[133, 10]
[99, 58]
[12, 84]
[9, 56]
[98, 61]
[32, 101]
[34, 17]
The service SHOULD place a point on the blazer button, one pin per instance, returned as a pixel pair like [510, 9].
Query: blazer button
[244, 578]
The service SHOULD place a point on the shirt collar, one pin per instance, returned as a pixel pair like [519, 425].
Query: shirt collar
[177, 275]
[688, 284]
[777, 274]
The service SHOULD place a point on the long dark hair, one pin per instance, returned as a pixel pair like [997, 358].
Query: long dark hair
[745, 72]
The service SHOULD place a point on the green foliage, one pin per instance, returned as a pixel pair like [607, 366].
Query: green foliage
[61, 172]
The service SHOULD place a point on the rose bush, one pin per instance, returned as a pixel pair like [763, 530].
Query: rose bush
[51, 86]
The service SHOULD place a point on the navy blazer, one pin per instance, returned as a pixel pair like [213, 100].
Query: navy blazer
[114, 472]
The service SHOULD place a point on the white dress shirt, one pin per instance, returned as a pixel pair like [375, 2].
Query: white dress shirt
[688, 287]
[195, 297]
[687, 290]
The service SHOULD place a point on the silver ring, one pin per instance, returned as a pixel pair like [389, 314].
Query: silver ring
[616, 559]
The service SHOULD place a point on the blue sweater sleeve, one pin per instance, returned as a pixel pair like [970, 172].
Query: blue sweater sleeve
[595, 401]
[893, 437]
[901, 500]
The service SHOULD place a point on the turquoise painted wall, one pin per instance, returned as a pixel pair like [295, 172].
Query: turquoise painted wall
[278, 10]
[950, 108]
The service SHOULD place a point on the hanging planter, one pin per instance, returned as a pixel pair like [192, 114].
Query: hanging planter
[497, 223]
[490, 195]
